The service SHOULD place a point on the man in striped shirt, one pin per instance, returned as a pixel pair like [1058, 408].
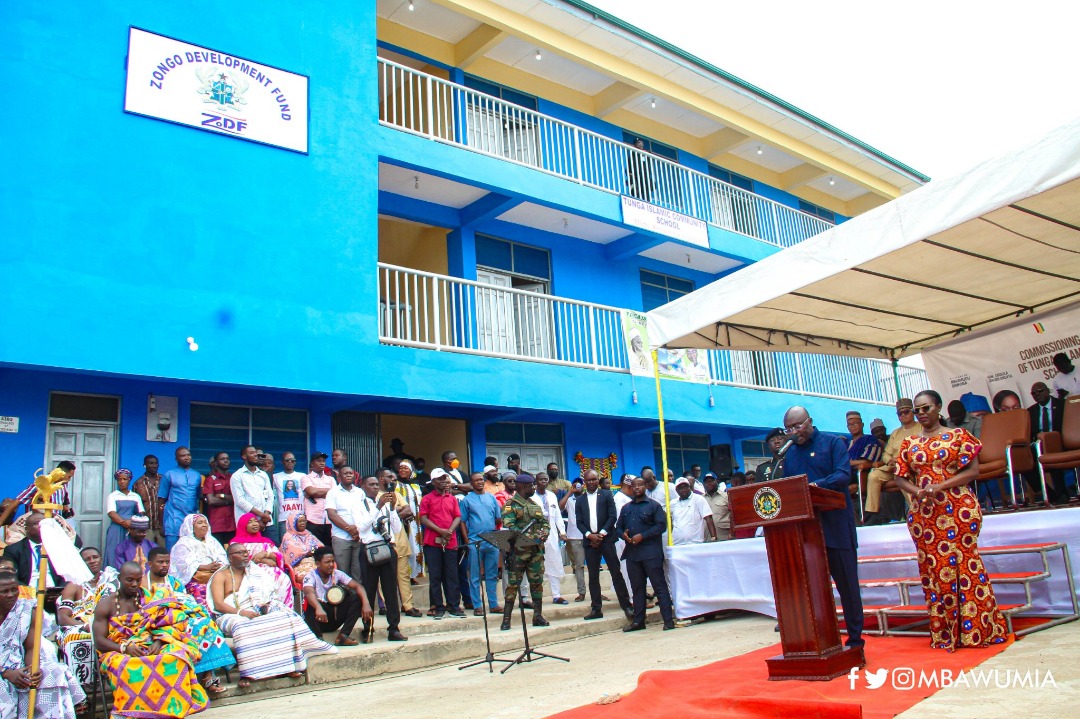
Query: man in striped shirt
[60, 496]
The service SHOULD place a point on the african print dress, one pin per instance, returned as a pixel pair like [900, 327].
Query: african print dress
[959, 598]
[215, 652]
[75, 641]
[58, 692]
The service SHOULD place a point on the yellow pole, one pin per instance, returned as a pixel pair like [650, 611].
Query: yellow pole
[663, 444]
[43, 566]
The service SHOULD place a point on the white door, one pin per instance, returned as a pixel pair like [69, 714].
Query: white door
[533, 317]
[495, 313]
[93, 450]
[534, 458]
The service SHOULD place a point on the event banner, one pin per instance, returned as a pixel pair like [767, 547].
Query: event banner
[214, 91]
[636, 332]
[1012, 356]
[664, 222]
[683, 364]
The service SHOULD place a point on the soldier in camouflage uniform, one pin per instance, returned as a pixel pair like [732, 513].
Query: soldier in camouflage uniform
[521, 512]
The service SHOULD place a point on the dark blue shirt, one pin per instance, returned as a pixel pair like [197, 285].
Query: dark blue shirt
[645, 517]
[824, 461]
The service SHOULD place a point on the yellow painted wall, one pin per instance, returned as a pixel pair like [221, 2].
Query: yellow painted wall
[419, 247]
[427, 437]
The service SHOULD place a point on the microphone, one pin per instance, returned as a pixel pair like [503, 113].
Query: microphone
[785, 448]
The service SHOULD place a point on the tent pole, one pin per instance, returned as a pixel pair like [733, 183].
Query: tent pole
[663, 444]
[896, 378]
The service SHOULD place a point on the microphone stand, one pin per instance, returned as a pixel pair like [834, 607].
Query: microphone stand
[530, 654]
[489, 657]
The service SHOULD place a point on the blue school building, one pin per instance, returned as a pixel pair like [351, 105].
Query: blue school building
[308, 226]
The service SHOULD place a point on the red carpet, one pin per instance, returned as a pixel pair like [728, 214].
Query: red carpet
[739, 687]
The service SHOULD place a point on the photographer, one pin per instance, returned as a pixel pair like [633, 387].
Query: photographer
[377, 524]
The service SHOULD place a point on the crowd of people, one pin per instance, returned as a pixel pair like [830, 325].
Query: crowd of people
[251, 567]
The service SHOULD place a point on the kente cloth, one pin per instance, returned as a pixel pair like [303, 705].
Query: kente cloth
[960, 600]
[215, 652]
[160, 685]
[76, 644]
[58, 692]
[272, 644]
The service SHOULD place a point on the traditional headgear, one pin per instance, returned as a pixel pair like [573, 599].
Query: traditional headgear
[974, 402]
[123, 473]
[489, 468]
[139, 521]
[876, 423]
[905, 403]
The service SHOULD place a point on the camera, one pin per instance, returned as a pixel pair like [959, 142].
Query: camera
[382, 528]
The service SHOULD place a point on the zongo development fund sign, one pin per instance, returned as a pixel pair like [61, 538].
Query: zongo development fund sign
[215, 91]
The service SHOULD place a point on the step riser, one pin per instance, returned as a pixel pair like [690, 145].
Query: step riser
[350, 665]
[568, 587]
[425, 626]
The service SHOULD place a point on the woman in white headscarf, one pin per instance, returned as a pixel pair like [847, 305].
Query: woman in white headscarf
[196, 556]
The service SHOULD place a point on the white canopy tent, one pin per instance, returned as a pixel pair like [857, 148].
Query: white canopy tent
[990, 244]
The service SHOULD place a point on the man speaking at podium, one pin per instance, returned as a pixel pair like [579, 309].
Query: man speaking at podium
[823, 458]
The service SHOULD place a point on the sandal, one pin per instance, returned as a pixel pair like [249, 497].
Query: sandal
[244, 683]
[213, 687]
[294, 675]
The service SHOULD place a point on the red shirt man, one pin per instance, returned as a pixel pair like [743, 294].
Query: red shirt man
[442, 509]
[218, 500]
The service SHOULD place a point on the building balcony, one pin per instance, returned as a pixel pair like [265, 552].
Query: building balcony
[431, 107]
[437, 312]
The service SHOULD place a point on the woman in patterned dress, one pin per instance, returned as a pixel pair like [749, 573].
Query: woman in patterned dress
[264, 552]
[196, 556]
[936, 467]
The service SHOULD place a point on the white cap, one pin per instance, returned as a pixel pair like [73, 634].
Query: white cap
[681, 480]
[438, 472]
[489, 468]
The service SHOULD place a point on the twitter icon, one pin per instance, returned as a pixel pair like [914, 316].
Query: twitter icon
[874, 680]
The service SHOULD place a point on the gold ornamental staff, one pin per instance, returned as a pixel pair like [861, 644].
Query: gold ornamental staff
[47, 485]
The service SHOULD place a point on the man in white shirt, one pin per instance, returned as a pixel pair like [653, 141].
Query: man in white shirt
[345, 509]
[377, 521]
[575, 546]
[691, 516]
[251, 488]
[1067, 380]
[553, 561]
[287, 491]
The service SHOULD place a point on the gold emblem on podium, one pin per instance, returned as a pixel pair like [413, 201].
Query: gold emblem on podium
[766, 503]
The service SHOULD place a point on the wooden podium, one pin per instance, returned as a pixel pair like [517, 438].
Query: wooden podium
[809, 633]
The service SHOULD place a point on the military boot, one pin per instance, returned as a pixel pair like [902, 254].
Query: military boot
[508, 613]
[538, 615]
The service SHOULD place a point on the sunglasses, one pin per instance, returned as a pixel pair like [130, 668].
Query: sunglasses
[924, 409]
[901, 412]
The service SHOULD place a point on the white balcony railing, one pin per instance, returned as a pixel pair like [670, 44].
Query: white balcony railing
[426, 105]
[425, 310]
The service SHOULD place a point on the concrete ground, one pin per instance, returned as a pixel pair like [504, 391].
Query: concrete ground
[610, 663]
